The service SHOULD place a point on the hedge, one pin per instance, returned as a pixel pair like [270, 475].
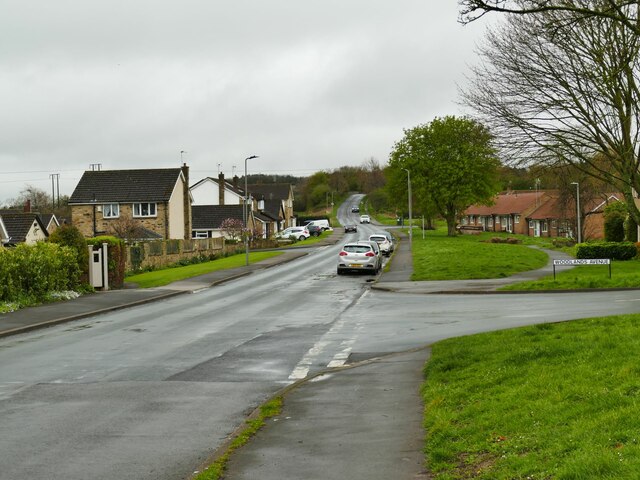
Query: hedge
[33, 271]
[612, 250]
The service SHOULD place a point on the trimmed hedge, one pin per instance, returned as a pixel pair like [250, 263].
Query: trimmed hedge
[612, 250]
[33, 271]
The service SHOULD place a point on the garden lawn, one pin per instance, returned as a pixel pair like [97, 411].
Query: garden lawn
[165, 276]
[465, 257]
[553, 401]
[624, 274]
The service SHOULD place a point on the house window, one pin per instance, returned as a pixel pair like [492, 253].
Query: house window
[490, 222]
[200, 234]
[472, 219]
[144, 209]
[464, 220]
[505, 222]
[497, 219]
[531, 224]
[516, 218]
[543, 225]
[110, 210]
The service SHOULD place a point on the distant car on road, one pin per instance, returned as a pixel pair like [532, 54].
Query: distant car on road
[365, 219]
[361, 257]
[299, 233]
[355, 209]
[350, 228]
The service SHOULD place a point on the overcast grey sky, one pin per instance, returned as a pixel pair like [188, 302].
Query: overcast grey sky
[307, 85]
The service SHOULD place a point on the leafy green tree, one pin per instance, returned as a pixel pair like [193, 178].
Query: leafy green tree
[452, 165]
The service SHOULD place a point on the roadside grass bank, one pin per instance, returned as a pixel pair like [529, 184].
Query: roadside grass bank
[251, 427]
[624, 274]
[465, 257]
[158, 278]
[549, 401]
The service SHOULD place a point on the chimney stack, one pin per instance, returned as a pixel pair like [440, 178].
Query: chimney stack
[27, 206]
[221, 188]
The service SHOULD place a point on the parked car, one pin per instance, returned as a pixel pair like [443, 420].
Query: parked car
[350, 228]
[361, 257]
[299, 233]
[392, 241]
[355, 209]
[383, 242]
[315, 230]
[365, 219]
[324, 224]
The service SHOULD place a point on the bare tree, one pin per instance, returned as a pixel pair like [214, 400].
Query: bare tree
[127, 228]
[622, 11]
[561, 88]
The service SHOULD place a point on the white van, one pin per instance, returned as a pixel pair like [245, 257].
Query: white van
[323, 224]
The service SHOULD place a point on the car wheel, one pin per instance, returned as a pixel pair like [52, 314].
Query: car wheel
[340, 272]
[301, 237]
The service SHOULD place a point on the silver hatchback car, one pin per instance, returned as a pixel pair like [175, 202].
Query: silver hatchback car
[360, 257]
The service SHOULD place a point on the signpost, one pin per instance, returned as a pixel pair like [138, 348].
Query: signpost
[574, 262]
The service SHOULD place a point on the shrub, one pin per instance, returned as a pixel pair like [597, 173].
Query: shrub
[614, 217]
[70, 236]
[612, 250]
[34, 271]
[563, 242]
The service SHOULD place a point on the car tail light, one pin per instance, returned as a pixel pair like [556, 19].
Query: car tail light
[343, 253]
[369, 254]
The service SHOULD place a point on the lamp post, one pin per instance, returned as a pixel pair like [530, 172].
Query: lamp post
[578, 210]
[410, 218]
[245, 215]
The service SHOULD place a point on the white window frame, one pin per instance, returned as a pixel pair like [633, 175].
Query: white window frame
[138, 209]
[516, 218]
[110, 210]
[490, 222]
[544, 227]
[531, 224]
[200, 234]
[505, 221]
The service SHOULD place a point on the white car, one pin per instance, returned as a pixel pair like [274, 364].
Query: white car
[365, 219]
[383, 242]
[298, 233]
[359, 257]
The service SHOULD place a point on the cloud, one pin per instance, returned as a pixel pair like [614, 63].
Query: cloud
[306, 85]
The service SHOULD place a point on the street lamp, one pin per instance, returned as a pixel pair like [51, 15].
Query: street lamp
[409, 195]
[245, 215]
[578, 210]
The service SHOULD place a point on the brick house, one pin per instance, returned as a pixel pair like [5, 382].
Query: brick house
[157, 201]
[276, 201]
[507, 214]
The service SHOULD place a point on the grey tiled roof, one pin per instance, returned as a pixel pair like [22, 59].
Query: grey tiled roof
[124, 186]
[19, 224]
[208, 217]
[270, 191]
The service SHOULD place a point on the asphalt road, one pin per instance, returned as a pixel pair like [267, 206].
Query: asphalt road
[149, 392]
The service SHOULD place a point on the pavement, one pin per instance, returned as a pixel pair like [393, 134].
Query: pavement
[359, 421]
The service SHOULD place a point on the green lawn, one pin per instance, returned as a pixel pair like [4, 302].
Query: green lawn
[554, 401]
[165, 276]
[439, 257]
[624, 274]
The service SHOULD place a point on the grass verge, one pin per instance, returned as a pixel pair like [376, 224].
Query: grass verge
[557, 401]
[252, 425]
[165, 276]
[464, 257]
[624, 274]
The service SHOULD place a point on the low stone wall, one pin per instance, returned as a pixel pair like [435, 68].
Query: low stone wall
[160, 253]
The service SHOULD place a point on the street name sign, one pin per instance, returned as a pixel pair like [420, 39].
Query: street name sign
[574, 262]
